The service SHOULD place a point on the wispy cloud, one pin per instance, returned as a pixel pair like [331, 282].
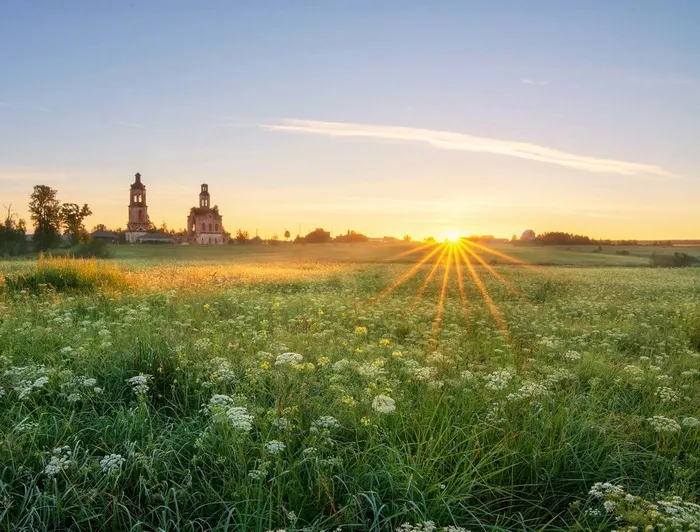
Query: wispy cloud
[129, 124]
[537, 82]
[447, 140]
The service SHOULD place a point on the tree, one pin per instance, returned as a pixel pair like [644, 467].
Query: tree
[318, 236]
[72, 217]
[242, 237]
[406, 238]
[45, 212]
[100, 227]
[350, 237]
[287, 234]
[13, 239]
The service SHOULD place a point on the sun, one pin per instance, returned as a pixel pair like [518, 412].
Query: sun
[452, 236]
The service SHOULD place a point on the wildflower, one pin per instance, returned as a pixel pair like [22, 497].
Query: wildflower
[397, 354]
[60, 461]
[360, 330]
[111, 464]
[275, 446]
[288, 359]
[365, 421]
[139, 383]
[240, 418]
[690, 422]
[666, 395]
[384, 342]
[572, 356]
[664, 424]
[384, 404]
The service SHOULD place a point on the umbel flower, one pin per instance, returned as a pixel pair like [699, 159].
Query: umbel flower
[384, 404]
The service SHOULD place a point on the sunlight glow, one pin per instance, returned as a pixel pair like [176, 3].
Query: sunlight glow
[453, 237]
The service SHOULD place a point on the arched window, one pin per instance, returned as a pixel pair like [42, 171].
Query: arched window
[204, 227]
[210, 228]
[140, 216]
[216, 227]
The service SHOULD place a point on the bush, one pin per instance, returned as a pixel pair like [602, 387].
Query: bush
[92, 249]
[66, 273]
[624, 252]
[677, 260]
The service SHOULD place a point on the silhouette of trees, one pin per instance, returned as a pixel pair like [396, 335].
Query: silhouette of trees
[350, 237]
[45, 213]
[72, 217]
[406, 238]
[13, 237]
[317, 236]
[242, 237]
[287, 234]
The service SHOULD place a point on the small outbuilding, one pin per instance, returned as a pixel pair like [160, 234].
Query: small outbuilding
[106, 236]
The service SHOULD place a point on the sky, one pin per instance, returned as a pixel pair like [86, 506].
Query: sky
[389, 118]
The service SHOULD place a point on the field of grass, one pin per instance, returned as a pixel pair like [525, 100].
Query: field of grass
[322, 388]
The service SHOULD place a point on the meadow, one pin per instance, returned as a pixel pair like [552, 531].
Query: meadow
[350, 388]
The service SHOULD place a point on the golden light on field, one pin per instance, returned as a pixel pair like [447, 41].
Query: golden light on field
[456, 257]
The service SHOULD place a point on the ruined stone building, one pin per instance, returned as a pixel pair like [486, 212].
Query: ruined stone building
[204, 224]
[137, 227]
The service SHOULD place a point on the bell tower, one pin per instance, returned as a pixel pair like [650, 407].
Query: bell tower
[138, 210]
[204, 197]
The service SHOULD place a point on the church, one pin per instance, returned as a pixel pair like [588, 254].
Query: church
[204, 224]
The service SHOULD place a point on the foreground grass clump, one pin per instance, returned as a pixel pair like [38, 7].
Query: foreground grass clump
[305, 402]
[67, 273]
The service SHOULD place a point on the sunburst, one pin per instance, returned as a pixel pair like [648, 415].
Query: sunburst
[457, 256]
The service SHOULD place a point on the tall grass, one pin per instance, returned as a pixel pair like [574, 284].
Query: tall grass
[490, 432]
[67, 273]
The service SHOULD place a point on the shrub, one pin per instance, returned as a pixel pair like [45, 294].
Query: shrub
[677, 260]
[66, 273]
[92, 249]
[624, 252]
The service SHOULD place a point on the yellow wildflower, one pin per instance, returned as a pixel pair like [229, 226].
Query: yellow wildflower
[361, 330]
[384, 342]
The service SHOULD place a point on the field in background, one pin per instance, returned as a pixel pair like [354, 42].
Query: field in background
[306, 388]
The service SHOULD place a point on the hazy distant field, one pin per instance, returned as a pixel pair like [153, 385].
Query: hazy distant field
[323, 388]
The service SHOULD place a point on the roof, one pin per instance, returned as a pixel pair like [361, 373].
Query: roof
[203, 210]
[103, 234]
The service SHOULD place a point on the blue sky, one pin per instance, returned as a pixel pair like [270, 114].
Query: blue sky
[247, 96]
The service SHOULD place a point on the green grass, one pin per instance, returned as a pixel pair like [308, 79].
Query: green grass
[496, 427]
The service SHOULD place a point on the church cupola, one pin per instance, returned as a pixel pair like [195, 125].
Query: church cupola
[204, 196]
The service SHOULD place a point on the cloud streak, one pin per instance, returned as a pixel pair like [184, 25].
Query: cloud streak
[447, 140]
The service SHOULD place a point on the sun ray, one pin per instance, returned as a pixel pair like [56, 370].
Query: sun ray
[493, 272]
[406, 275]
[430, 276]
[462, 293]
[493, 309]
[492, 251]
[410, 251]
[443, 292]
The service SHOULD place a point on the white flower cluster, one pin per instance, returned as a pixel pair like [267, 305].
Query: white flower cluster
[529, 390]
[572, 356]
[690, 422]
[240, 419]
[289, 359]
[384, 404]
[666, 395]
[275, 446]
[664, 424]
[668, 514]
[220, 372]
[111, 464]
[60, 461]
[498, 380]
[139, 383]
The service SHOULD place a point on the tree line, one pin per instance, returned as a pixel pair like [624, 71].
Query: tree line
[50, 217]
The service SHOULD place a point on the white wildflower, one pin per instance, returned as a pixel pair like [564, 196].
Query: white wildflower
[384, 404]
[111, 464]
[288, 359]
[275, 446]
[139, 383]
